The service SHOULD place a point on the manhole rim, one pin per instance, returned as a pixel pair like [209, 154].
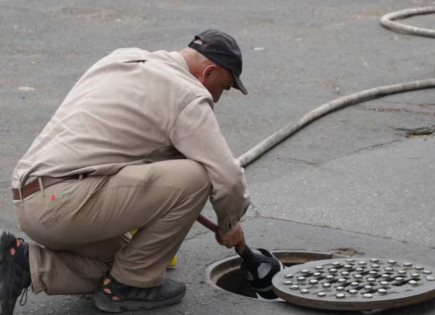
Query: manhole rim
[235, 261]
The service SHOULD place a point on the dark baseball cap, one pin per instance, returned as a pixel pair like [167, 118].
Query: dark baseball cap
[223, 50]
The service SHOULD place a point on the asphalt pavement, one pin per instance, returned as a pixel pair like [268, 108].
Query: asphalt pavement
[359, 181]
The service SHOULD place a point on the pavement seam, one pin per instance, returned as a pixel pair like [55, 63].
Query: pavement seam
[248, 217]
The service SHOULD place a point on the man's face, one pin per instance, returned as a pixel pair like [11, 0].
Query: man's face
[216, 79]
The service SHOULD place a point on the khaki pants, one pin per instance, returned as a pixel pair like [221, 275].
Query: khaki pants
[79, 225]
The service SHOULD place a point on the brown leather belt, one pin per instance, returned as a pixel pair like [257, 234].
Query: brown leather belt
[34, 185]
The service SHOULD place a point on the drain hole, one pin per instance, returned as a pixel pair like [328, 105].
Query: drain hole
[234, 282]
[226, 273]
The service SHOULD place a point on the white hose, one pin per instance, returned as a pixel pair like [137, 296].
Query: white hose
[327, 108]
[351, 99]
[387, 21]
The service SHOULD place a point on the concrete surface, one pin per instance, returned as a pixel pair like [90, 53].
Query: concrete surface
[350, 181]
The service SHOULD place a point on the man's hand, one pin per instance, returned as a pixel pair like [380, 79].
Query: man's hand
[235, 238]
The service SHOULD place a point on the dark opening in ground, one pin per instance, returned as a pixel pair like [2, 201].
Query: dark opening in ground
[226, 273]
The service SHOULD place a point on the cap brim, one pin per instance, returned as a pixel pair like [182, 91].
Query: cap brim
[239, 85]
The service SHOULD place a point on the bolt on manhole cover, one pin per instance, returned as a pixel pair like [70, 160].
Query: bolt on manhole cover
[355, 284]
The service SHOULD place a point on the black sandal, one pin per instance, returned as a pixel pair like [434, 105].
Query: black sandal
[14, 272]
[115, 297]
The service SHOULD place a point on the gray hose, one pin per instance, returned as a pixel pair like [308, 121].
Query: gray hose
[339, 103]
[351, 99]
[387, 21]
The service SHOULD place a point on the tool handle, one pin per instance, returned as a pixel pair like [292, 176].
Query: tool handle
[207, 223]
[214, 228]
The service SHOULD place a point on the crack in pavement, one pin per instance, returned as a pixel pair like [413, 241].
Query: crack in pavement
[419, 131]
[259, 216]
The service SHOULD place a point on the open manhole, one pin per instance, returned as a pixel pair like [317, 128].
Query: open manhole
[335, 282]
[226, 273]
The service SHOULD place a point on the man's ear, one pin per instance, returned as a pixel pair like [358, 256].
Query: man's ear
[207, 72]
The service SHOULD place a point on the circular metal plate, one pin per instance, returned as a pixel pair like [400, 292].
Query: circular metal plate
[355, 284]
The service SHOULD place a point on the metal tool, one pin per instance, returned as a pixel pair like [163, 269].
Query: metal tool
[355, 284]
[258, 265]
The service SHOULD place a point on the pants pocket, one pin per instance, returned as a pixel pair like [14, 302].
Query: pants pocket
[55, 206]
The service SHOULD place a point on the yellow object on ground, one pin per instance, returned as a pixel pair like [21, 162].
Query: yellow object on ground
[172, 264]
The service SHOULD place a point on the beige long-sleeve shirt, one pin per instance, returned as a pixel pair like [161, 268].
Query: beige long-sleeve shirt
[133, 107]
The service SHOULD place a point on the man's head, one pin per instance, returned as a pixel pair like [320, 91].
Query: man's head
[214, 58]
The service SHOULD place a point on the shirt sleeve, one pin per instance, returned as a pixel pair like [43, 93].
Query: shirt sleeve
[196, 134]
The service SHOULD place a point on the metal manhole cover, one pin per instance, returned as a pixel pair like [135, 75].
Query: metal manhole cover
[355, 284]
